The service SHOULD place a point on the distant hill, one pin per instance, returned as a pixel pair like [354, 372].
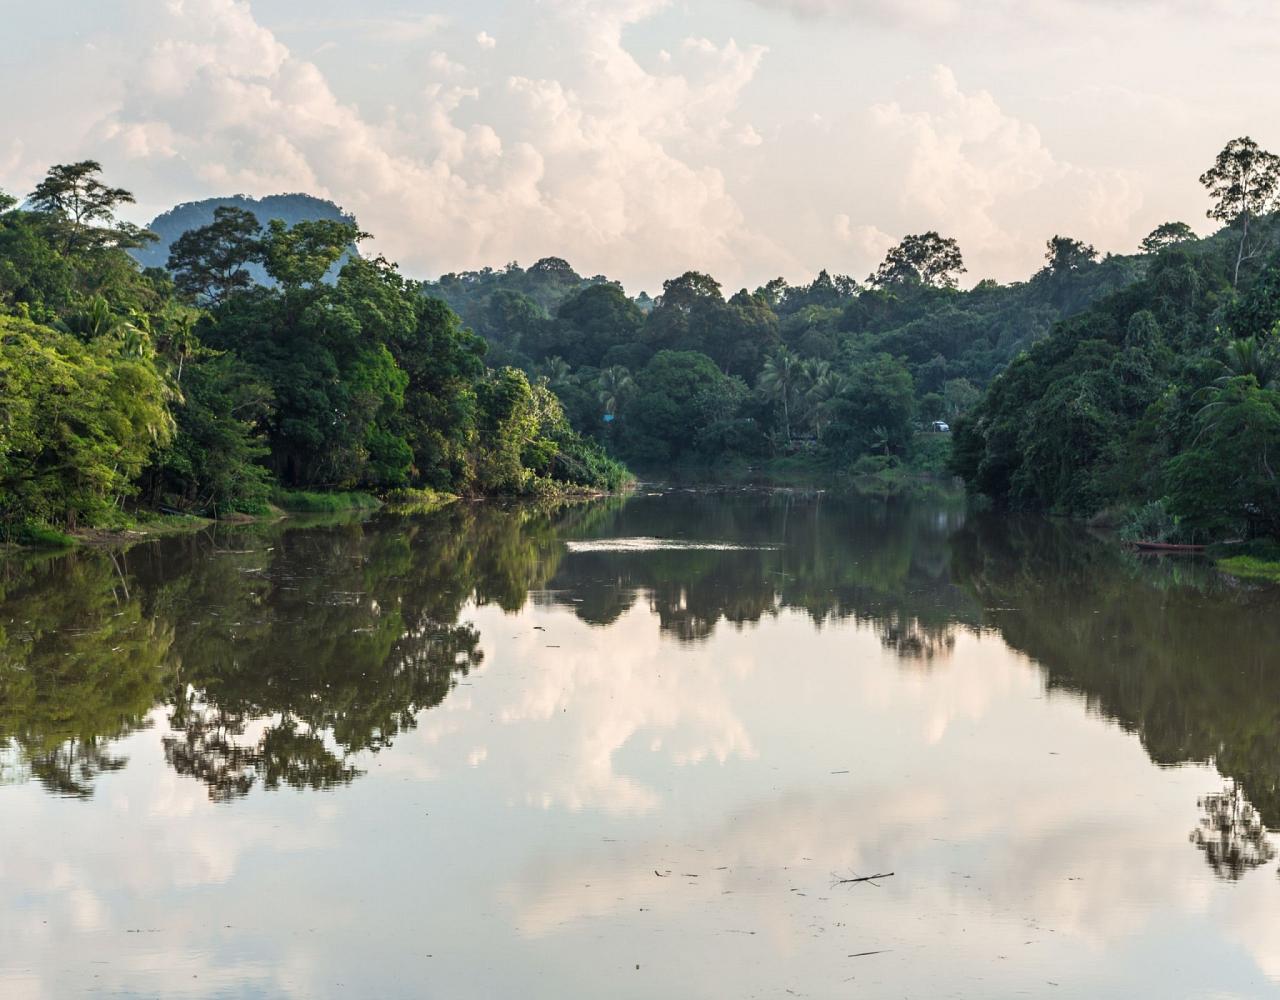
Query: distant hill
[289, 208]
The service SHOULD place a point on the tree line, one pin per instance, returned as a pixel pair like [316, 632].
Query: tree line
[835, 375]
[278, 356]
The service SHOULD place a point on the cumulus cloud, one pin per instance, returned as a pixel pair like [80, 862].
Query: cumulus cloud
[608, 165]
[385, 30]
[637, 154]
[969, 168]
[933, 14]
[869, 241]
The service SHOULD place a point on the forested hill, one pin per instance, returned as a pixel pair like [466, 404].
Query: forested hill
[1161, 403]
[827, 373]
[1162, 395]
[288, 208]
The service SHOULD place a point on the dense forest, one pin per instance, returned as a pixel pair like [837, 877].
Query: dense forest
[195, 388]
[1145, 387]
[275, 356]
[833, 375]
[1160, 403]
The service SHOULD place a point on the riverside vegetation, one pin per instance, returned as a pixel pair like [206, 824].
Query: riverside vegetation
[197, 389]
[1141, 387]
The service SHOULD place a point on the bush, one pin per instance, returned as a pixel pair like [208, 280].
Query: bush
[580, 461]
[1152, 522]
[42, 536]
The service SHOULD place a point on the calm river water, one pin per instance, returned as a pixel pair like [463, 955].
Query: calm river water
[628, 749]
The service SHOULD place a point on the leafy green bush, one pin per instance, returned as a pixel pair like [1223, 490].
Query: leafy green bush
[1152, 522]
[42, 536]
[582, 462]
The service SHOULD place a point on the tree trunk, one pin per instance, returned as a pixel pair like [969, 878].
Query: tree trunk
[1244, 238]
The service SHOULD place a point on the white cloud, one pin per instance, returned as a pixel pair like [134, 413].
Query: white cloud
[642, 151]
[406, 29]
[609, 166]
[969, 169]
[934, 15]
[869, 241]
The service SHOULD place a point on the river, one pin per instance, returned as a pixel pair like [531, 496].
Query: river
[635, 748]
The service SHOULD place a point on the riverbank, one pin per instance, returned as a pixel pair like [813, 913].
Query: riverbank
[1257, 561]
[142, 525]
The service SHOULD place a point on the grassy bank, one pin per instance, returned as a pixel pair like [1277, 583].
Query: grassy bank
[309, 502]
[1257, 560]
[424, 501]
[129, 527]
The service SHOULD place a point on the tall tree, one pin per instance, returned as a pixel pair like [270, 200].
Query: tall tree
[85, 208]
[1167, 234]
[616, 386]
[302, 254]
[1242, 183]
[211, 262]
[1064, 255]
[927, 259]
[778, 382]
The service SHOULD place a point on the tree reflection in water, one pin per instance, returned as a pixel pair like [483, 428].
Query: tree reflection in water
[81, 666]
[1169, 648]
[1231, 834]
[280, 654]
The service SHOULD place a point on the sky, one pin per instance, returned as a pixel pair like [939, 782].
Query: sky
[642, 138]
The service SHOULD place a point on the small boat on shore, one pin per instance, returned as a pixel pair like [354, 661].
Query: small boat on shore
[1165, 547]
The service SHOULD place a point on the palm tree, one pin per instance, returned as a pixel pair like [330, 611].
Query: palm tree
[1247, 356]
[826, 387]
[556, 371]
[778, 381]
[615, 388]
[94, 321]
[135, 335]
[179, 340]
[1255, 357]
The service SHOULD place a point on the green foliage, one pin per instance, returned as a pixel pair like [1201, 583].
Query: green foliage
[927, 259]
[1223, 485]
[207, 392]
[1151, 522]
[212, 262]
[213, 463]
[1107, 382]
[170, 226]
[79, 423]
[1243, 183]
[1251, 568]
[299, 256]
[310, 502]
[81, 210]
[1161, 398]
[41, 536]
[820, 373]
[1167, 234]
